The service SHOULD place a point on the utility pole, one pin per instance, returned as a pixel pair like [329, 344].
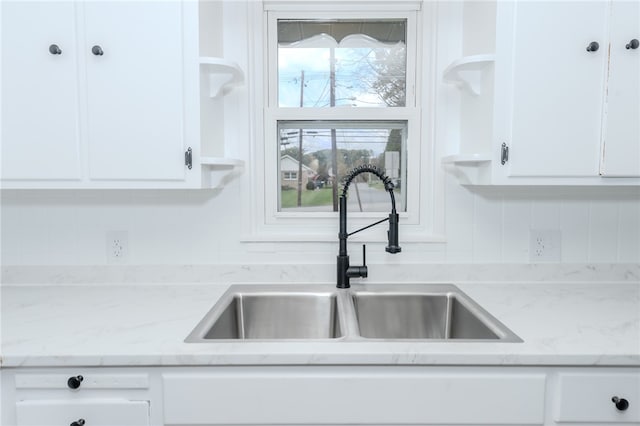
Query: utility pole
[300, 143]
[334, 144]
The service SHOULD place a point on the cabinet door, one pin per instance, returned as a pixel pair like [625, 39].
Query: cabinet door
[621, 137]
[94, 412]
[40, 124]
[586, 398]
[354, 395]
[549, 88]
[135, 90]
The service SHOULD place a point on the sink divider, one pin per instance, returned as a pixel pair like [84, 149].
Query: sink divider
[348, 313]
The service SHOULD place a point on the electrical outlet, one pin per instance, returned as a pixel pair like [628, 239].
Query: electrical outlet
[117, 245]
[545, 245]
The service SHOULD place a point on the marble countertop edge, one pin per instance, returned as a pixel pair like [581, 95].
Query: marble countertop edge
[535, 360]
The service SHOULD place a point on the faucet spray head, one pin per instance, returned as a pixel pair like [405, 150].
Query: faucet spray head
[392, 234]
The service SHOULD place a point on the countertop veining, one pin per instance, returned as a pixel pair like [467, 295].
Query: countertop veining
[145, 325]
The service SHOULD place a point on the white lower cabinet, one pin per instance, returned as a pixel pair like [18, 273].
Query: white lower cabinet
[90, 412]
[343, 395]
[79, 397]
[598, 398]
[321, 395]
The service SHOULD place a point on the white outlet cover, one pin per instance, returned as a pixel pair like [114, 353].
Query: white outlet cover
[117, 246]
[545, 245]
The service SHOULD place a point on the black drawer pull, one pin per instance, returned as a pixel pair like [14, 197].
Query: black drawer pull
[54, 49]
[593, 46]
[74, 382]
[621, 403]
[97, 50]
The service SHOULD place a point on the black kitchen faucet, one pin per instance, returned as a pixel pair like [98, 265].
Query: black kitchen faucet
[346, 272]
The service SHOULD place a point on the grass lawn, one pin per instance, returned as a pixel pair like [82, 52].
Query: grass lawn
[318, 197]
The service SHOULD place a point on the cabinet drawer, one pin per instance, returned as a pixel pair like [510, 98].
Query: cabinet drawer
[587, 398]
[95, 412]
[89, 381]
[342, 397]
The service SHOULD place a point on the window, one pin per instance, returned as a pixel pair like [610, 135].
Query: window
[339, 66]
[340, 90]
[290, 175]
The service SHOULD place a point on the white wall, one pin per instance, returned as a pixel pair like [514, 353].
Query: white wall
[204, 227]
[483, 225]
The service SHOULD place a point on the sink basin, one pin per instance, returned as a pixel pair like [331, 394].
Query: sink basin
[423, 316]
[427, 312]
[266, 315]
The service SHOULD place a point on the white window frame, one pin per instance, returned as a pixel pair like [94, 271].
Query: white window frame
[422, 221]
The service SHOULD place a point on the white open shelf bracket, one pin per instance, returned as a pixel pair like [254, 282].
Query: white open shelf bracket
[218, 171]
[469, 159]
[223, 75]
[466, 72]
[469, 169]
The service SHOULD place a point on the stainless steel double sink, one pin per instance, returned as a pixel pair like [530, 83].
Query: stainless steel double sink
[429, 312]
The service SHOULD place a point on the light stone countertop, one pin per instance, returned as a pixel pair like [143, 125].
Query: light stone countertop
[580, 324]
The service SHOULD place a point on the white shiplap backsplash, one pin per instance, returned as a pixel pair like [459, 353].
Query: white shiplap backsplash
[483, 226]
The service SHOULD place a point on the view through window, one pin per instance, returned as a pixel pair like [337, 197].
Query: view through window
[342, 66]
[319, 154]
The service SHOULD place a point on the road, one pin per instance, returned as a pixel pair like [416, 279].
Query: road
[371, 199]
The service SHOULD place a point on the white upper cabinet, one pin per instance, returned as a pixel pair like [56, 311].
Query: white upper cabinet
[40, 124]
[134, 90]
[565, 94]
[621, 136]
[555, 98]
[116, 108]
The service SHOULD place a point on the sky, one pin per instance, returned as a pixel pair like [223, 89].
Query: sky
[354, 74]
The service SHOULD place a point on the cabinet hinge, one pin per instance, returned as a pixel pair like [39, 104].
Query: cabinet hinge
[504, 155]
[188, 158]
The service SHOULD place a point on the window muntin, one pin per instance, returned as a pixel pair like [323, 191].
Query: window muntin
[342, 63]
[340, 145]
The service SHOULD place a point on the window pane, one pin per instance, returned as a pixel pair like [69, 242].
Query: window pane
[342, 63]
[313, 181]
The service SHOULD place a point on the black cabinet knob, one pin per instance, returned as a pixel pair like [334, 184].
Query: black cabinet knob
[74, 382]
[79, 422]
[633, 44]
[97, 50]
[621, 403]
[54, 49]
[593, 46]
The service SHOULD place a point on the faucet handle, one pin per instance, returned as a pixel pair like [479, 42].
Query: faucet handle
[363, 271]
[359, 271]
